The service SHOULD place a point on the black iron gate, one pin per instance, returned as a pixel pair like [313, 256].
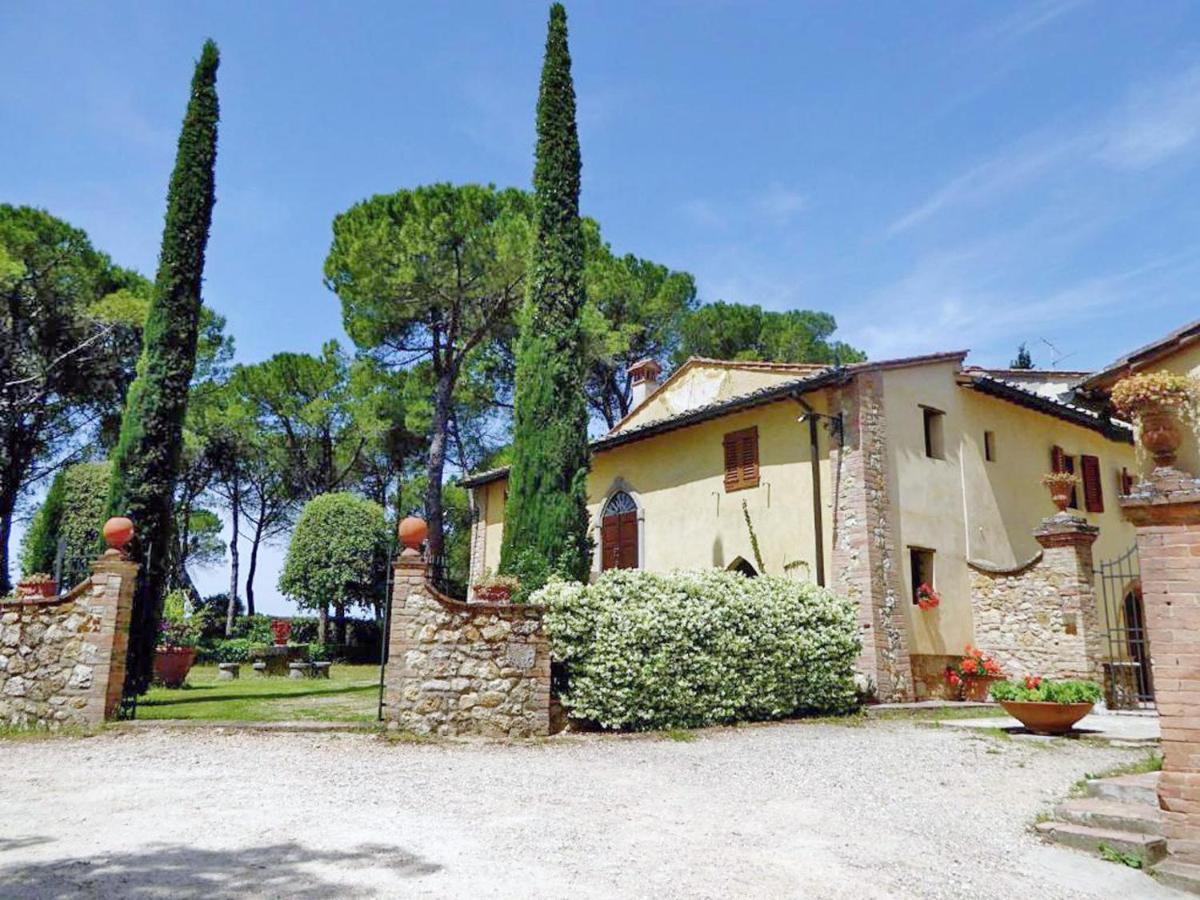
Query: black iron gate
[1128, 680]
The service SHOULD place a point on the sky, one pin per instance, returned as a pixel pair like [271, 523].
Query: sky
[938, 176]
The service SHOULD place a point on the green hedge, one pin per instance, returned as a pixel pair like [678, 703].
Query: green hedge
[686, 649]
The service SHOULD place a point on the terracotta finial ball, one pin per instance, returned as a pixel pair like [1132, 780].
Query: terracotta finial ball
[118, 531]
[413, 532]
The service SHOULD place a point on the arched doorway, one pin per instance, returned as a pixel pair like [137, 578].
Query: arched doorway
[619, 533]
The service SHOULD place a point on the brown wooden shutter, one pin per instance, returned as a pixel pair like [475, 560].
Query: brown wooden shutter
[1126, 481]
[1058, 459]
[1093, 490]
[741, 459]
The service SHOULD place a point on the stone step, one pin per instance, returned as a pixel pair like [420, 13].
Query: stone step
[1180, 875]
[1112, 815]
[1148, 848]
[1141, 788]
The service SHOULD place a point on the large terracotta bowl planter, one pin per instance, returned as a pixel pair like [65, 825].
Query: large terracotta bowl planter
[1046, 718]
[171, 666]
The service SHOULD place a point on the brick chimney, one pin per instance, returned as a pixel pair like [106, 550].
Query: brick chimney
[643, 379]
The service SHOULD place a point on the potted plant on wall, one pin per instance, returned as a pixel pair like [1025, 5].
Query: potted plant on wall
[1060, 484]
[927, 598]
[1157, 401]
[973, 675]
[495, 588]
[39, 584]
[1044, 706]
[281, 630]
[175, 653]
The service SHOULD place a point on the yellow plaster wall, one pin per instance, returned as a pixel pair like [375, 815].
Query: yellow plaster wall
[688, 519]
[702, 384]
[964, 507]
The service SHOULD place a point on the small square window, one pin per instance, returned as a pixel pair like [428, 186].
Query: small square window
[935, 447]
[920, 562]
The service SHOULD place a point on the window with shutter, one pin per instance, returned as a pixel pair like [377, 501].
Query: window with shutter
[1060, 462]
[619, 533]
[1093, 490]
[1126, 481]
[741, 459]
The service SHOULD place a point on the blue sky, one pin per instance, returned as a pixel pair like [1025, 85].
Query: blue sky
[937, 175]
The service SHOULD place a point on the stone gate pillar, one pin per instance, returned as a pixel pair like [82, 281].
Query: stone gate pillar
[1067, 563]
[1166, 511]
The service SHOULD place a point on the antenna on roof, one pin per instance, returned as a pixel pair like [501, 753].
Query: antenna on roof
[1058, 356]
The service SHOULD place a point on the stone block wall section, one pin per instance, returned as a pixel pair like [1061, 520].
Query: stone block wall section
[1166, 511]
[459, 668]
[62, 659]
[865, 561]
[1040, 618]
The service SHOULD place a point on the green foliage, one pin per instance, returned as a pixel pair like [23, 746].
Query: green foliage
[1048, 691]
[65, 370]
[644, 650]
[227, 650]
[737, 331]
[758, 560]
[338, 553]
[546, 515]
[146, 459]
[1112, 854]
[74, 513]
[1023, 360]
[39, 549]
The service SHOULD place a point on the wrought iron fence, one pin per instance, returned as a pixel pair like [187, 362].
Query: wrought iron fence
[446, 579]
[1128, 678]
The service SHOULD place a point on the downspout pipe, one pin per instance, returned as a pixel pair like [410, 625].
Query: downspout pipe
[814, 453]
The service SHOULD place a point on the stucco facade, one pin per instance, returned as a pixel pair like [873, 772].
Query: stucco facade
[878, 492]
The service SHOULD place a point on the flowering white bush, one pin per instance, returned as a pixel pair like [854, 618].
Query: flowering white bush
[686, 649]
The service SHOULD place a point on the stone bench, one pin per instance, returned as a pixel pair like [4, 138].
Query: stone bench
[300, 670]
[260, 668]
[320, 669]
[228, 671]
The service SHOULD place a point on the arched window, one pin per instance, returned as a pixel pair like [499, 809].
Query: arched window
[740, 565]
[619, 533]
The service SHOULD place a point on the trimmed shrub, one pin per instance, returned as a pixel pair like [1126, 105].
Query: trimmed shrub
[73, 511]
[646, 650]
[230, 650]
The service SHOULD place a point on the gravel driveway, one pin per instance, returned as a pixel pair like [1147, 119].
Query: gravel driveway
[887, 809]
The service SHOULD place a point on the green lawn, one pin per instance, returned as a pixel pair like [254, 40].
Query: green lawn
[350, 695]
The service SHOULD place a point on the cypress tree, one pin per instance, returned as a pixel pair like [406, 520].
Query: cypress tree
[146, 459]
[545, 524]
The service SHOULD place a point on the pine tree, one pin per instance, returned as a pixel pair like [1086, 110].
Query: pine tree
[146, 459]
[1023, 360]
[545, 525]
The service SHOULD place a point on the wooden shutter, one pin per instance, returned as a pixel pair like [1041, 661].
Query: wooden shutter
[1126, 481]
[619, 541]
[741, 459]
[1093, 490]
[1058, 459]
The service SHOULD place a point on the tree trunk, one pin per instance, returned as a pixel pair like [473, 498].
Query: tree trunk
[7, 506]
[236, 514]
[437, 460]
[323, 624]
[258, 530]
[340, 623]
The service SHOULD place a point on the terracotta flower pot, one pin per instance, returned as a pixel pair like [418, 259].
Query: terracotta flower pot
[1061, 496]
[493, 593]
[976, 687]
[1161, 434]
[37, 588]
[171, 665]
[1046, 718]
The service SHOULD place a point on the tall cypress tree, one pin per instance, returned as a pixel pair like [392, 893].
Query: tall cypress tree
[545, 524]
[146, 459]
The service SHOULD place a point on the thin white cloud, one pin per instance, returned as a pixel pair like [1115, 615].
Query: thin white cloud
[1029, 18]
[780, 204]
[1156, 121]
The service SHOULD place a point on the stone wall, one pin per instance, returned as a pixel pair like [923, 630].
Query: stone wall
[62, 660]
[459, 668]
[1040, 618]
[865, 563]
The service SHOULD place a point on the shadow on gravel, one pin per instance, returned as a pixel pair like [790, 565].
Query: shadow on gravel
[176, 870]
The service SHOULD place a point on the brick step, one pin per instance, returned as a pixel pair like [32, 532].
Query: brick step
[1148, 848]
[1137, 818]
[1179, 875]
[1141, 788]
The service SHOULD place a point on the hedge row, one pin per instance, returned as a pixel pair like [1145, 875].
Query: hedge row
[686, 649]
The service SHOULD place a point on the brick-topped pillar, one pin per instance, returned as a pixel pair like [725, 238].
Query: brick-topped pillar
[1166, 511]
[113, 580]
[1067, 562]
